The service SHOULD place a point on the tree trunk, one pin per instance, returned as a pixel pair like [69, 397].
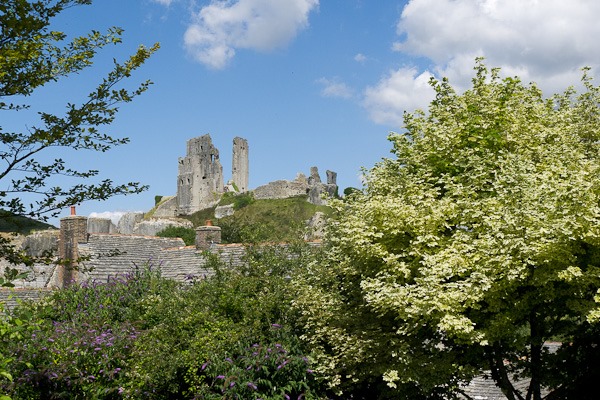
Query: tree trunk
[500, 375]
[535, 360]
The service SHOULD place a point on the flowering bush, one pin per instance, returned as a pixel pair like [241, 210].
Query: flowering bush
[142, 336]
[258, 371]
[82, 340]
[77, 361]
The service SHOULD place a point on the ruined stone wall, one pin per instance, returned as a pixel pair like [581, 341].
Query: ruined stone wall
[239, 164]
[281, 189]
[200, 178]
[311, 186]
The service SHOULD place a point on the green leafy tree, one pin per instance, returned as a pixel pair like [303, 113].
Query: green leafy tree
[31, 56]
[469, 250]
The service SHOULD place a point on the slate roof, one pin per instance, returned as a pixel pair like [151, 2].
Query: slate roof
[11, 297]
[483, 387]
[113, 254]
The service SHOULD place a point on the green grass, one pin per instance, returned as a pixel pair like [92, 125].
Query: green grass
[18, 224]
[272, 220]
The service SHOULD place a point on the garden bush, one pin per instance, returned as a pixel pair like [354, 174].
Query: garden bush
[142, 336]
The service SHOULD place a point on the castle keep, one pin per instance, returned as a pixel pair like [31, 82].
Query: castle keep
[200, 177]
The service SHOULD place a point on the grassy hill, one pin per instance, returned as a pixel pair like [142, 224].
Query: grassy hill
[18, 224]
[261, 220]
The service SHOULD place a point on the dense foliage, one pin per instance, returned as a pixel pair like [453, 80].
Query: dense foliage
[469, 250]
[231, 335]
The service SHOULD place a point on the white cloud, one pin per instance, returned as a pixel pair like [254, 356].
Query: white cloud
[360, 58]
[546, 41]
[220, 28]
[335, 88]
[403, 89]
[164, 2]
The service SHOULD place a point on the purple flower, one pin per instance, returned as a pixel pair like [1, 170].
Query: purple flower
[232, 384]
[275, 326]
[252, 386]
[203, 367]
[220, 377]
[229, 360]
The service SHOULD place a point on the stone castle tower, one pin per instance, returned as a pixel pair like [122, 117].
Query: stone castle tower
[200, 178]
[239, 164]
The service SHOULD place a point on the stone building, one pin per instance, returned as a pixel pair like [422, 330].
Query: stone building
[200, 178]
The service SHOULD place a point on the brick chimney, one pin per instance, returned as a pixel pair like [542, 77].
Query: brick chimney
[207, 235]
[73, 230]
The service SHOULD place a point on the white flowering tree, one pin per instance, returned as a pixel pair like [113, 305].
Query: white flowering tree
[474, 246]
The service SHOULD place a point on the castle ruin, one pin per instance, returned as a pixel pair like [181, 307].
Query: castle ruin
[200, 178]
[239, 165]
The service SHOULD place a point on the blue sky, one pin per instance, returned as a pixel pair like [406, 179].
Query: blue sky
[306, 82]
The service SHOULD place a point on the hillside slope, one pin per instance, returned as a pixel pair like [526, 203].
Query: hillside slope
[18, 224]
[261, 220]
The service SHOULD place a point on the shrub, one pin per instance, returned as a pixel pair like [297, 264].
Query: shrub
[266, 371]
[142, 336]
[64, 360]
[187, 234]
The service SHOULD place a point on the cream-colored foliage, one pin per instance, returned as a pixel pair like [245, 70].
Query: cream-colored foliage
[491, 194]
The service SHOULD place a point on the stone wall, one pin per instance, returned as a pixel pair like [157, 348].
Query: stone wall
[41, 243]
[311, 186]
[100, 225]
[154, 225]
[167, 208]
[126, 225]
[281, 189]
